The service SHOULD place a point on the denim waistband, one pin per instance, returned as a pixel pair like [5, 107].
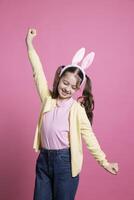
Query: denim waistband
[55, 151]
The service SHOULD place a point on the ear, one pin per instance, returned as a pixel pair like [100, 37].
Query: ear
[78, 56]
[88, 60]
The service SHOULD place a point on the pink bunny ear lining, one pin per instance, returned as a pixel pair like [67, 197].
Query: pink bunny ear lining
[78, 56]
[88, 60]
[93, 54]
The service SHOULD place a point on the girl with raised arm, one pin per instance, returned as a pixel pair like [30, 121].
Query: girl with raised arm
[62, 124]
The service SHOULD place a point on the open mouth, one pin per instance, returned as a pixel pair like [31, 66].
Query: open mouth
[64, 93]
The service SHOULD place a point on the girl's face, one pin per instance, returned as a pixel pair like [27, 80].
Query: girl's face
[67, 85]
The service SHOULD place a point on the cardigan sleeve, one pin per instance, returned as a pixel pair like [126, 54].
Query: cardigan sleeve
[38, 74]
[91, 140]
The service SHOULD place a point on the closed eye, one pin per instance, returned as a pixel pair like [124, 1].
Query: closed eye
[65, 83]
[74, 88]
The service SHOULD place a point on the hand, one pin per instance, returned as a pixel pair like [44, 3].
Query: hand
[112, 168]
[30, 35]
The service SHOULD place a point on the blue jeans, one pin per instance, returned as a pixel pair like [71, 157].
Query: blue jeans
[53, 179]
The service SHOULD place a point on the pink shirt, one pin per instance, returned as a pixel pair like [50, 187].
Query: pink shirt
[55, 126]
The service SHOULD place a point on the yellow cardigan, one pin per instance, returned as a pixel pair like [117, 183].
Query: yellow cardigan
[79, 123]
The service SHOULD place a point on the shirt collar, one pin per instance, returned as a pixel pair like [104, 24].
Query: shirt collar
[65, 102]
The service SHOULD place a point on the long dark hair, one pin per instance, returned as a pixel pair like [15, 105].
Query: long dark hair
[87, 97]
[88, 100]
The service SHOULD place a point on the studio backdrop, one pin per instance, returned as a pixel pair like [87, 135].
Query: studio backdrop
[63, 26]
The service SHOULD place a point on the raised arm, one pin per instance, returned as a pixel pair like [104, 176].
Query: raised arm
[93, 145]
[38, 73]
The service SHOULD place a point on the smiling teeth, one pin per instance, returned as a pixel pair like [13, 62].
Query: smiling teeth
[64, 92]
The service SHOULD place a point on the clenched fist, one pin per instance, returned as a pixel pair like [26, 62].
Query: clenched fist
[30, 35]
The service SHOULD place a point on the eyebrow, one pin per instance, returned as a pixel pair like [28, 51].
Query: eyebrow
[68, 82]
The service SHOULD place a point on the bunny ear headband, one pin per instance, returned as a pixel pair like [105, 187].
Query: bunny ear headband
[87, 61]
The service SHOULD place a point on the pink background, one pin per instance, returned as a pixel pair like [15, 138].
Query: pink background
[63, 26]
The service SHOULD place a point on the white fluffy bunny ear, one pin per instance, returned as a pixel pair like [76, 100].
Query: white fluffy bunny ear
[88, 60]
[78, 56]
